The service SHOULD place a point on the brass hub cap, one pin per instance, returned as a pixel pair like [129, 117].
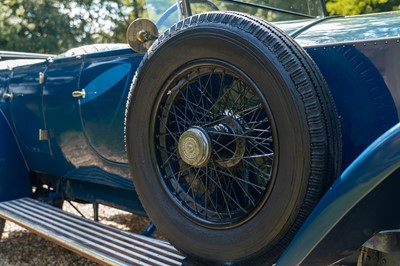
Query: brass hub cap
[195, 147]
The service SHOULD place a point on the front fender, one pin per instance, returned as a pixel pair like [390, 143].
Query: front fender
[362, 201]
[14, 175]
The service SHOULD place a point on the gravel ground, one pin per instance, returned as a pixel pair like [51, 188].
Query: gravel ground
[18, 247]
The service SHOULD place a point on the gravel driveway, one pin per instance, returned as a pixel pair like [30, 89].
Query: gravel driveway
[18, 247]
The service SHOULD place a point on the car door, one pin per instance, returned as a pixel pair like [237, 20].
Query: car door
[106, 79]
[25, 95]
[61, 111]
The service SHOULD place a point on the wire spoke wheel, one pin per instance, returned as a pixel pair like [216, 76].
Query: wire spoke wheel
[214, 144]
[232, 137]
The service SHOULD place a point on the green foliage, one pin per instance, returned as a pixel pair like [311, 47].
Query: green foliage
[54, 26]
[355, 7]
[107, 20]
[35, 25]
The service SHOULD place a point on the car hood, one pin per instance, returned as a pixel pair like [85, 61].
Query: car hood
[337, 29]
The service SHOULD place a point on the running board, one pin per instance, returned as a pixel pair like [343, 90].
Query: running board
[98, 242]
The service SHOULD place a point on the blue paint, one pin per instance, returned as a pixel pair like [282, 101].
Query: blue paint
[103, 112]
[105, 81]
[347, 29]
[14, 176]
[26, 108]
[371, 168]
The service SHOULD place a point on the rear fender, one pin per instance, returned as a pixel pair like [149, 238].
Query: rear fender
[14, 175]
[362, 201]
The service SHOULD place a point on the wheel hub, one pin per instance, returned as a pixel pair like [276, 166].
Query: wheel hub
[195, 147]
[197, 144]
[233, 148]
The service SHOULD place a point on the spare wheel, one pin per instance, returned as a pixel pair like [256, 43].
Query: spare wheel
[232, 136]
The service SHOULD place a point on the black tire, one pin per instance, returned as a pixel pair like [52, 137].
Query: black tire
[361, 80]
[265, 157]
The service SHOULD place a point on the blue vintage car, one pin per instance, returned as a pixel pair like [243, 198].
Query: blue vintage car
[246, 142]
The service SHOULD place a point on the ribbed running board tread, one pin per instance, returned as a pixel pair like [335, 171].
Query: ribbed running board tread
[101, 243]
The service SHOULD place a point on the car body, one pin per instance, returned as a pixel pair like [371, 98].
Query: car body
[64, 120]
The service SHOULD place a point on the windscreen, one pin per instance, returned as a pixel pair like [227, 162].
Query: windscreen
[165, 13]
[271, 10]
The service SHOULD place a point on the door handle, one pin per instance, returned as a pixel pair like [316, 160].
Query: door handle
[7, 96]
[78, 94]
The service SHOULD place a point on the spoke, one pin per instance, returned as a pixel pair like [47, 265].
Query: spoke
[261, 131]
[250, 110]
[186, 102]
[234, 177]
[240, 93]
[204, 113]
[227, 194]
[182, 121]
[167, 128]
[173, 153]
[196, 177]
[209, 100]
[203, 90]
[172, 134]
[178, 173]
[218, 101]
[256, 166]
[207, 198]
[260, 173]
[190, 106]
[262, 146]
[191, 181]
[221, 188]
[177, 184]
[200, 100]
[206, 192]
[268, 155]
[258, 148]
[239, 135]
[255, 124]
[223, 147]
[238, 179]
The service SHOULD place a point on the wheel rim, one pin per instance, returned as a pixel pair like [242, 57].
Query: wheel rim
[215, 146]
